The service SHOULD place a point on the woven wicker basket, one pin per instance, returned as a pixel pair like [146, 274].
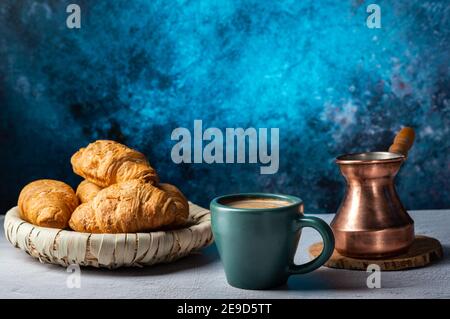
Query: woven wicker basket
[65, 247]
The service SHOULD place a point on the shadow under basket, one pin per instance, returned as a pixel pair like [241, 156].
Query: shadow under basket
[423, 252]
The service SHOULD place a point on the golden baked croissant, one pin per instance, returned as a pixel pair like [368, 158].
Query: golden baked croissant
[125, 207]
[47, 203]
[107, 162]
[87, 191]
[180, 201]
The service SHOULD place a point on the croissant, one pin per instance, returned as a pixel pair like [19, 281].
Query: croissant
[47, 203]
[180, 201]
[107, 162]
[125, 207]
[87, 191]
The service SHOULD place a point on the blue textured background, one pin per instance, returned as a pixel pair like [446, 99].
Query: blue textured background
[138, 69]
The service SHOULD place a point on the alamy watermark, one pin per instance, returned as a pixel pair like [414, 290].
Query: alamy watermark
[74, 279]
[374, 19]
[73, 21]
[374, 279]
[227, 147]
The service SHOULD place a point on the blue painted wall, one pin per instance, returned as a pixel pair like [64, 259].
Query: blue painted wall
[138, 69]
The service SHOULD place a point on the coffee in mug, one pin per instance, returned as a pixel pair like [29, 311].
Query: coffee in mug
[257, 236]
[256, 203]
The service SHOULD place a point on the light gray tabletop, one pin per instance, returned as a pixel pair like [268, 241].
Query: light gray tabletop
[201, 275]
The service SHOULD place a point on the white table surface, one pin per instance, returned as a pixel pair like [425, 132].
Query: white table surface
[201, 275]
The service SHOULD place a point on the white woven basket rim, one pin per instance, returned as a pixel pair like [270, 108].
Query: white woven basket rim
[65, 247]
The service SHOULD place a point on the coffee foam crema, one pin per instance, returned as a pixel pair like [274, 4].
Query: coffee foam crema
[256, 203]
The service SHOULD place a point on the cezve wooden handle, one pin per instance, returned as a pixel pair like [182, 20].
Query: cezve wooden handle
[403, 141]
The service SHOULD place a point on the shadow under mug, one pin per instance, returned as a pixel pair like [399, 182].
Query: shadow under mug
[257, 245]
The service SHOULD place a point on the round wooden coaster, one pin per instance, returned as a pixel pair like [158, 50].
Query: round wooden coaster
[423, 251]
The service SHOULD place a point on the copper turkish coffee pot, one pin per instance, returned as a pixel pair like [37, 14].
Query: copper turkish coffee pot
[371, 221]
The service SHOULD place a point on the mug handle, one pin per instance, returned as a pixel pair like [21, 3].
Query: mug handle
[328, 244]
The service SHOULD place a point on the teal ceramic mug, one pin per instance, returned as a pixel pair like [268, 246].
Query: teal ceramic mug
[257, 245]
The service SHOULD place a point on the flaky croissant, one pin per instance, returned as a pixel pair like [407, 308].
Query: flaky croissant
[180, 201]
[125, 207]
[47, 203]
[107, 162]
[87, 191]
